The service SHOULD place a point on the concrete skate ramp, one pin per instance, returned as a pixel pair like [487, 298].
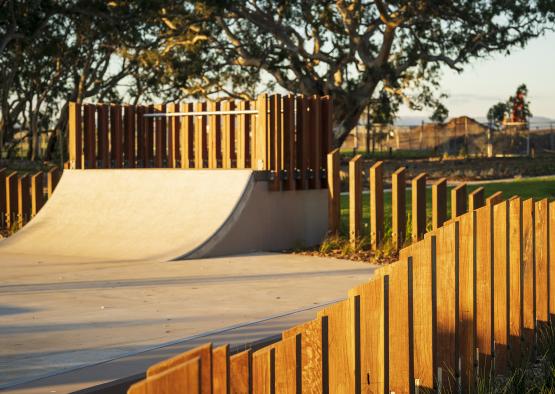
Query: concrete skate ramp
[164, 214]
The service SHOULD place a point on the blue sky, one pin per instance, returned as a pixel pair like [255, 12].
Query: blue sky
[487, 81]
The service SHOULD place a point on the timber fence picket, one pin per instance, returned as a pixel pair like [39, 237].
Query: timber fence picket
[470, 296]
[22, 196]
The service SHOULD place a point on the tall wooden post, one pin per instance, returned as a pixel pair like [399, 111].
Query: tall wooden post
[260, 151]
[3, 173]
[398, 207]
[75, 137]
[458, 200]
[187, 137]
[376, 205]
[334, 192]
[495, 198]
[355, 198]
[23, 200]
[200, 137]
[37, 193]
[11, 199]
[52, 178]
[419, 207]
[439, 203]
[476, 199]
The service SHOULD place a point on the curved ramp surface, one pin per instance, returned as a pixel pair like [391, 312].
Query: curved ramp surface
[163, 214]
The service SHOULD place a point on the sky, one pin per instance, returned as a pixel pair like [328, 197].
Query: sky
[488, 81]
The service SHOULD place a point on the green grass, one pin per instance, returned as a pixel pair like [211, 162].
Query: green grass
[525, 188]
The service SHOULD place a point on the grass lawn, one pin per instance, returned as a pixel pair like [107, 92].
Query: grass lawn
[525, 188]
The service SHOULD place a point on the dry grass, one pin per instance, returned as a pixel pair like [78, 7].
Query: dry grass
[339, 246]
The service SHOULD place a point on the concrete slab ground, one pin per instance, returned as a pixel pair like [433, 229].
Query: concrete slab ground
[58, 314]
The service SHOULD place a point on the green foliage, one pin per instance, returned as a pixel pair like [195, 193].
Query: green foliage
[497, 114]
[354, 51]
[440, 114]
[359, 53]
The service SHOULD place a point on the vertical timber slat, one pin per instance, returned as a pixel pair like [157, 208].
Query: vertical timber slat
[515, 281]
[541, 237]
[220, 370]
[103, 141]
[501, 272]
[334, 192]
[116, 136]
[240, 373]
[303, 159]
[398, 207]
[476, 199]
[528, 276]
[37, 193]
[439, 203]
[75, 137]
[376, 206]
[458, 200]
[355, 199]
[315, 142]
[187, 137]
[419, 207]
[260, 143]
[23, 200]
[289, 146]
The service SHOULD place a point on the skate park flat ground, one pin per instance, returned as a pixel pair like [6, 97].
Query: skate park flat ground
[58, 314]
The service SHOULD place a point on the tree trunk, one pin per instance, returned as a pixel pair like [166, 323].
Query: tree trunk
[60, 128]
[347, 111]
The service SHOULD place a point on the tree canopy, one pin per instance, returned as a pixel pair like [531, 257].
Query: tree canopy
[516, 109]
[358, 52]
[440, 114]
[353, 50]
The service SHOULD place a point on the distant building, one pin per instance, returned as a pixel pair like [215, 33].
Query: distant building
[458, 134]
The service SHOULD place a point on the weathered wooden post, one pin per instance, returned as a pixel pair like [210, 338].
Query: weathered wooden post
[187, 137]
[37, 193]
[398, 207]
[289, 146]
[201, 145]
[439, 203]
[458, 200]
[52, 179]
[334, 192]
[23, 200]
[476, 199]
[419, 207]
[495, 198]
[75, 136]
[515, 281]
[355, 198]
[260, 151]
[376, 206]
[11, 199]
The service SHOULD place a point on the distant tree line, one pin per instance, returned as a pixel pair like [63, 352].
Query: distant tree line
[365, 54]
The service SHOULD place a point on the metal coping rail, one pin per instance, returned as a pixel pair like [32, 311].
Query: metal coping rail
[172, 114]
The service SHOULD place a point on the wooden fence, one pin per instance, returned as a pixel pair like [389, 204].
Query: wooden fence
[420, 222]
[289, 136]
[22, 196]
[469, 298]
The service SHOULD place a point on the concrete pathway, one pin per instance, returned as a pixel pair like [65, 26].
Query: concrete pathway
[57, 314]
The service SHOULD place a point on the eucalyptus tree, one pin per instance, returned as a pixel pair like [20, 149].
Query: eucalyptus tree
[351, 50]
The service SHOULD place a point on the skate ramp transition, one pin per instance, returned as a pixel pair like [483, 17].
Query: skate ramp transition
[166, 214]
